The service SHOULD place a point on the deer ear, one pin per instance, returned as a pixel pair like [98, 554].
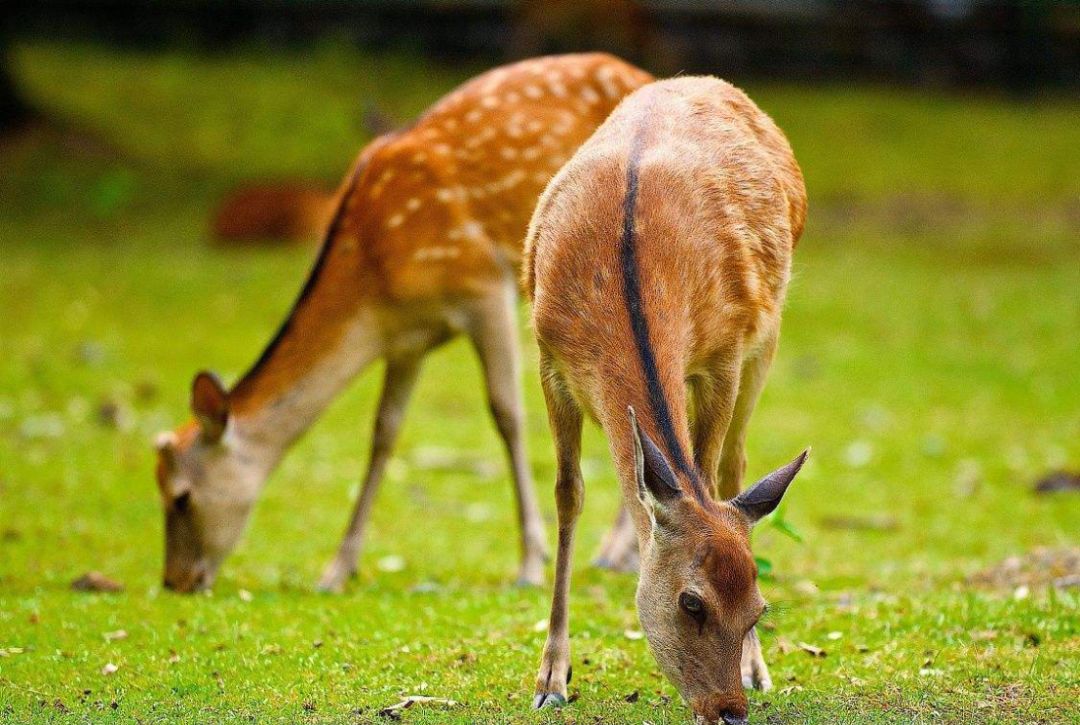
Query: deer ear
[764, 496]
[210, 404]
[657, 486]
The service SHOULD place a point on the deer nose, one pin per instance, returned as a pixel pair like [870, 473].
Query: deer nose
[185, 585]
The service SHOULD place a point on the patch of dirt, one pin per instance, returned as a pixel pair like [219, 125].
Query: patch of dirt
[1057, 482]
[1043, 566]
[95, 581]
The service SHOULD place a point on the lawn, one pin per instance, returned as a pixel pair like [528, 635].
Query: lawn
[930, 356]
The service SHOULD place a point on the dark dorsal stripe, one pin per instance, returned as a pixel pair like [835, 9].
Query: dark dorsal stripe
[313, 277]
[639, 324]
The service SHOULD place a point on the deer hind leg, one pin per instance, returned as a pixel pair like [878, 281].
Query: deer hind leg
[566, 419]
[398, 383]
[495, 337]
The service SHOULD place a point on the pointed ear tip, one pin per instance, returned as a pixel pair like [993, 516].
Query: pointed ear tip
[208, 376]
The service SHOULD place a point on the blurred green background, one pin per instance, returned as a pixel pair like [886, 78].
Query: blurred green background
[930, 353]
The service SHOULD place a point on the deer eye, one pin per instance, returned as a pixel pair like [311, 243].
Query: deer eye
[180, 503]
[692, 605]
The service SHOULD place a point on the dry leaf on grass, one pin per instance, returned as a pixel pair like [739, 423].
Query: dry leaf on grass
[812, 650]
[115, 636]
[394, 711]
[109, 669]
[95, 581]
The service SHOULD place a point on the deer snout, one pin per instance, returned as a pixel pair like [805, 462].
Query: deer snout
[720, 708]
[186, 582]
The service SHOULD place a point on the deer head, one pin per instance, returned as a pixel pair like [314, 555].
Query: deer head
[208, 478]
[697, 595]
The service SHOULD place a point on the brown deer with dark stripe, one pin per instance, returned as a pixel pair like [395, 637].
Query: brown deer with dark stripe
[658, 260]
[425, 245]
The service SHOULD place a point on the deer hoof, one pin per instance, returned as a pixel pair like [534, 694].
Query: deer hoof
[545, 700]
[334, 578]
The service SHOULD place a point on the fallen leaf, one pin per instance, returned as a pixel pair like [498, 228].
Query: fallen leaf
[115, 636]
[95, 581]
[109, 669]
[394, 711]
[834, 635]
[812, 650]
[634, 634]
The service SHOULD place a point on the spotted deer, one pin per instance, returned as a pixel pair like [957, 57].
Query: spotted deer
[658, 260]
[425, 244]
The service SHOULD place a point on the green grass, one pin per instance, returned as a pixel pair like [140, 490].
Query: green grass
[930, 356]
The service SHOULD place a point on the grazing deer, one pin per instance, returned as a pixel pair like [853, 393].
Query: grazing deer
[657, 260]
[425, 244]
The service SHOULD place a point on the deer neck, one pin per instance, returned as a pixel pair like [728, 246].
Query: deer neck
[301, 372]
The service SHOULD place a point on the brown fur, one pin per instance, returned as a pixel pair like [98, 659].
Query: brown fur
[283, 211]
[720, 204]
[424, 244]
